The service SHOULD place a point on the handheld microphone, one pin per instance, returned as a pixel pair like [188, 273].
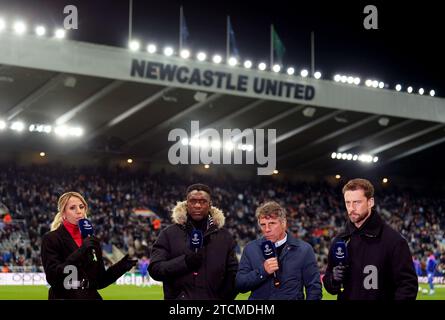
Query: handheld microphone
[86, 230]
[196, 242]
[269, 251]
[340, 255]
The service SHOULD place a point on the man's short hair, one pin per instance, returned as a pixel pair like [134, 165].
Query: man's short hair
[198, 187]
[270, 209]
[360, 184]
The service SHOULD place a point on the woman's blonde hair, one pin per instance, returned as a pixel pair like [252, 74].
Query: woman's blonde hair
[61, 204]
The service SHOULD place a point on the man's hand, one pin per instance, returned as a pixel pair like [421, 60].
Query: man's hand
[271, 265]
[338, 273]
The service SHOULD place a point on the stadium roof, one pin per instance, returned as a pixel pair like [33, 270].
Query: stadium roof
[128, 102]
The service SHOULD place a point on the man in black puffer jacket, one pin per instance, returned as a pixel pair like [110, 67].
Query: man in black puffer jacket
[208, 274]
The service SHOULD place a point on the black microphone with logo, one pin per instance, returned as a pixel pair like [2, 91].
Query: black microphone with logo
[269, 251]
[196, 242]
[340, 256]
[86, 230]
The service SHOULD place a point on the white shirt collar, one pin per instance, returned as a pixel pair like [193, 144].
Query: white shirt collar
[282, 241]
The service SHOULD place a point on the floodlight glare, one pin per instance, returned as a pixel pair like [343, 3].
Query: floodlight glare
[381, 85]
[432, 93]
[337, 78]
[60, 34]
[317, 75]
[276, 68]
[262, 66]
[2, 125]
[185, 141]
[19, 27]
[168, 51]
[185, 54]
[17, 126]
[304, 73]
[40, 31]
[247, 64]
[151, 48]
[217, 58]
[290, 71]
[357, 81]
[344, 79]
[2, 25]
[201, 56]
[410, 89]
[232, 61]
[398, 87]
[333, 155]
[375, 84]
[350, 80]
[421, 91]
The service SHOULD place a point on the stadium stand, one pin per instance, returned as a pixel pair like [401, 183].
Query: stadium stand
[316, 210]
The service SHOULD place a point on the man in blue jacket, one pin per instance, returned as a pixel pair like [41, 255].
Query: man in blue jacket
[284, 277]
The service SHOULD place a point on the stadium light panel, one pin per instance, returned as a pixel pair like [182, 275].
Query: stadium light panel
[19, 27]
[337, 78]
[317, 75]
[47, 128]
[339, 155]
[40, 31]
[247, 64]
[375, 159]
[151, 48]
[168, 51]
[185, 54]
[350, 80]
[201, 56]
[398, 87]
[333, 155]
[368, 83]
[262, 66]
[421, 91]
[355, 157]
[375, 84]
[357, 81]
[17, 126]
[217, 58]
[344, 79]
[276, 68]
[349, 157]
[61, 131]
[232, 61]
[290, 71]
[432, 93]
[381, 85]
[410, 89]
[304, 73]
[60, 34]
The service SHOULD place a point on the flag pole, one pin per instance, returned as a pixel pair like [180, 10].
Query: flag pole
[130, 19]
[271, 46]
[180, 28]
[312, 53]
[227, 38]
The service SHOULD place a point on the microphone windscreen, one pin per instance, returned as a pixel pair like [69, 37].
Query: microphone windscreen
[268, 249]
[86, 228]
[196, 239]
[340, 252]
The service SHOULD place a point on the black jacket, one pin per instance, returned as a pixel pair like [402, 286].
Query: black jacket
[374, 244]
[215, 278]
[59, 250]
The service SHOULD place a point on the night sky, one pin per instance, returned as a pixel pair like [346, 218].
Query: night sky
[405, 49]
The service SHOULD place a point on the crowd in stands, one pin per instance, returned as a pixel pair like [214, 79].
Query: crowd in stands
[316, 211]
